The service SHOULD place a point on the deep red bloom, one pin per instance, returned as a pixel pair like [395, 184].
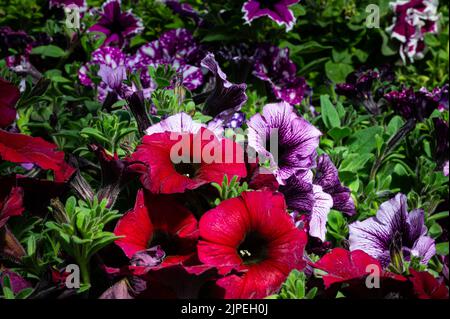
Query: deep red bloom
[11, 202]
[20, 148]
[426, 286]
[203, 159]
[252, 234]
[158, 220]
[8, 99]
[342, 266]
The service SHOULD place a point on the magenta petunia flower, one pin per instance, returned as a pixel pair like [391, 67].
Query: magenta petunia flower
[273, 65]
[277, 10]
[292, 139]
[176, 48]
[117, 25]
[412, 20]
[182, 161]
[253, 235]
[8, 99]
[393, 231]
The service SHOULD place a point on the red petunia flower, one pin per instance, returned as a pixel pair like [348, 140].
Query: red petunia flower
[182, 161]
[342, 266]
[23, 149]
[8, 99]
[158, 220]
[252, 234]
[11, 202]
[428, 287]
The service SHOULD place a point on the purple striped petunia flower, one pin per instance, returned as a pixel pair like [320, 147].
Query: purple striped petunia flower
[291, 138]
[117, 25]
[176, 48]
[327, 177]
[393, 231]
[277, 10]
[273, 65]
[413, 19]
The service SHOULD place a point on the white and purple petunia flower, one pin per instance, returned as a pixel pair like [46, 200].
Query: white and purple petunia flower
[117, 25]
[176, 48]
[111, 64]
[283, 138]
[413, 19]
[327, 177]
[277, 10]
[393, 228]
[273, 65]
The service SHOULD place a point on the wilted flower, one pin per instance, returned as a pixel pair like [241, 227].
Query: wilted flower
[413, 19]
[273, 65]
[277, 10]
[117, 25]
[295, 139]
[239, 235]
[226, 96]
[393, 233]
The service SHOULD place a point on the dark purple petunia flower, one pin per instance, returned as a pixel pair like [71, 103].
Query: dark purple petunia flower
[413, 19]
[273, 65]
[441, 96]
[277, 10]
[9, 96]
[18, 283]
[327, 177]
[69, 3]
[183, 9]
[393, 231]
[442, 144]
[417, 105]
[118, 26]
[291, 138]
[225, 96]
[176, 48]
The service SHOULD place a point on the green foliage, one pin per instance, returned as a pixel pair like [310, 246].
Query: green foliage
[295, 288]
[229, 189]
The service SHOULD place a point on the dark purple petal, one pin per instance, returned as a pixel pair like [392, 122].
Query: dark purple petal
[278, 11]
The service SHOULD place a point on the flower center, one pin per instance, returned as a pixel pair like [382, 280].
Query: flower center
[253, 249]
[269, 4]
[165, 240]
[187, 169]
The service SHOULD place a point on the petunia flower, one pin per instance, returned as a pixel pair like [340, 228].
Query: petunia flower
[157, 221]
[18, 283]
[303, 196]
[295, 139]
[415, 105]
[252, 234]
[273, 65]
[428, 287]
[277, 11]
[183, 9]
[327, 177]
[176, 48]
[393, 233]
[442, 144]
[117, 25]
[111, 66]
[412, 20]
[20, 148]
[11, 202]
[181, 161]
[226, 97]
[8, 99]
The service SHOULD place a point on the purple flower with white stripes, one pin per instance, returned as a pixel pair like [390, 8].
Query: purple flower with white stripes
[393, 231]
[277, 10]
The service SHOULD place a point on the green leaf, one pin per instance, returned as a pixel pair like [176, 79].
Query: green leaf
[363, 141]
[51, 51]
[338, 133]
[442, 249]
[355, 162]
[337, 72]
[330, 116]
